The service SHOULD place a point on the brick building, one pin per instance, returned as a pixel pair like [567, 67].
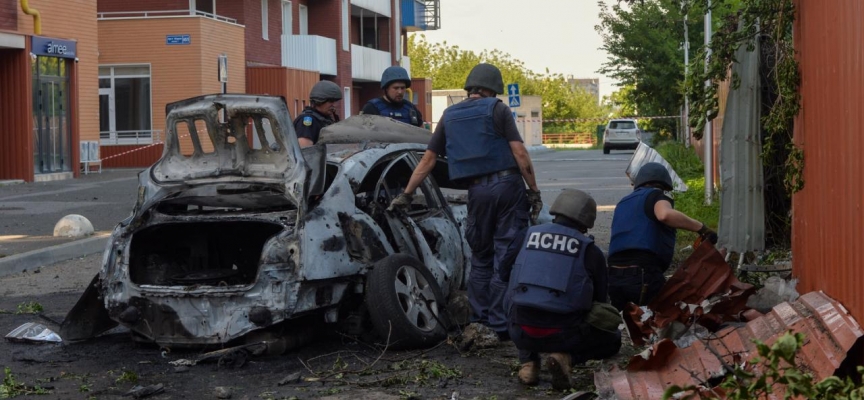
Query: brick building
[123, 61]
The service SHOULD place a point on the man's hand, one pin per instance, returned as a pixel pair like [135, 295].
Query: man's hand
[536, 203]
[402, 202]
[708, 234]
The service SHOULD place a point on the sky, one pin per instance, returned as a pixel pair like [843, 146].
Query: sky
[554, 34]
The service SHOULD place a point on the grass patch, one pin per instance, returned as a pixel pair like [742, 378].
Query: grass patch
[692, 202]
[30, 307]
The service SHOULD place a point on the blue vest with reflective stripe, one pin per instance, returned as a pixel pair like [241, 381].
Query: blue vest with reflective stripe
[633, 230]
[549, 273]
[473, 146]
[405, 114]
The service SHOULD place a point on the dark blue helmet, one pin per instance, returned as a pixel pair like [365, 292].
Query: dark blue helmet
[653, 172]
[486, 76]
[395, 74]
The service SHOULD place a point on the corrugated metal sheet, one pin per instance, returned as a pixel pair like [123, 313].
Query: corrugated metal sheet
[742, 203]
[645, 154]
[828, 214]
[292, 84]
[130, 156]
[829, 333]
[16, 115]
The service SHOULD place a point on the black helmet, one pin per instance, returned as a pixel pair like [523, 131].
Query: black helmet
[395, 74]
[576, 205]
[486, 76]
[653, 172]
[324, 91]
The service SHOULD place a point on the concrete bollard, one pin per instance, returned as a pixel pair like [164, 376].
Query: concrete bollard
[73, 225]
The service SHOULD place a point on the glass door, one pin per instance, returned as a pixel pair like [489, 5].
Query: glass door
[52, 133]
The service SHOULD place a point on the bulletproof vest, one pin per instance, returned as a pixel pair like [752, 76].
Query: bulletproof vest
[549, 273]
[318, 116]
[632, 229]
[473, 146]
[406, 113]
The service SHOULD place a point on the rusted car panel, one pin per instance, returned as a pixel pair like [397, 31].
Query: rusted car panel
[239, 239]
[830, 332]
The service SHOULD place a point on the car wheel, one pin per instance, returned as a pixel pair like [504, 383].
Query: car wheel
[605, 150]
[405, 303]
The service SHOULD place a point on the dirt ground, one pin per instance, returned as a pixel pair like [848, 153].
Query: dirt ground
[333, 366]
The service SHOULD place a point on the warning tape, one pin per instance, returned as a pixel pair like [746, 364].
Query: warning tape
[142, 148]
[593, 119]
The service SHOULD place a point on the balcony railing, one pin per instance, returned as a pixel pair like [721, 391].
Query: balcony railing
[368, 64]
[108, 138]
[381, 7]
[421, 15]
[162, 14]
[309, 52]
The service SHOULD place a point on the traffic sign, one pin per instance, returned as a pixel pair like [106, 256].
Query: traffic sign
[514, 99]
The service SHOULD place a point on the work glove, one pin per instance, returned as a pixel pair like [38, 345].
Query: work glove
[536, 203]
[708, 234]
[402, 202]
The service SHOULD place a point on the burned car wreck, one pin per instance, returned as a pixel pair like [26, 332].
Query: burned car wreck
[237, 230]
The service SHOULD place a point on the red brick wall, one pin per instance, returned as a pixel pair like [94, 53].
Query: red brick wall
[325, 19]
[149, 5]
[9, 15]
[258, 50]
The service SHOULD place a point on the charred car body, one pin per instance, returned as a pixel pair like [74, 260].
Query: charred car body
[237, 230]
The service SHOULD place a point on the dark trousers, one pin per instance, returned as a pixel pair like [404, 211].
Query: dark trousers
[497, 210]
[637, 285]
[583, 342]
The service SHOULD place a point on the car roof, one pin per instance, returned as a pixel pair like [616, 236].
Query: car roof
[372, 128]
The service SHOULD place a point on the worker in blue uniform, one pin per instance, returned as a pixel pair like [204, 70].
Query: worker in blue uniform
[556, 298]
[321, 112]
[643, 237]
[485, 151]
[394, 82]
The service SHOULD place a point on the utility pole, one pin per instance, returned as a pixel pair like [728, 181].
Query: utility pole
[686, 69]
[707, 137]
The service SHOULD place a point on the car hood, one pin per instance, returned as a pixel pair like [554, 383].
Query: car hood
[210, 137]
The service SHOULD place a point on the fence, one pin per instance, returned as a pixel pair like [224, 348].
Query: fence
[583, 138]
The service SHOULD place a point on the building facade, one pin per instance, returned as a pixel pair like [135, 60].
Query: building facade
[99, 73]
[590, 85]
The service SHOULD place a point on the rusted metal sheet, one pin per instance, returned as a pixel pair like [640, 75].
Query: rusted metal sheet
[827, 220]
[829, 333]
[130, 156]
[292, 84]
[742, 202]
[16, 114]
[703, 290]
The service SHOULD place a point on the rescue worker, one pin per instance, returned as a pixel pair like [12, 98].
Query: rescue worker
[643, 237]
[484, 150]
[320, 113]
[557, 299]
[394, 82]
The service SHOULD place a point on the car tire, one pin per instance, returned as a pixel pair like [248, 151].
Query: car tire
[395, 291]
[605, 150]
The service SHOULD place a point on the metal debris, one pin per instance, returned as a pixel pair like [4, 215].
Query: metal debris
[140, 392]
[645, 154]
[829, 330]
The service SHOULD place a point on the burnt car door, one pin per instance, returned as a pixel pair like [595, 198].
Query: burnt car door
[427, 229]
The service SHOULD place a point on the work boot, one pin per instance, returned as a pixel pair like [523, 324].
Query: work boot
[558, 365]
[529, 374]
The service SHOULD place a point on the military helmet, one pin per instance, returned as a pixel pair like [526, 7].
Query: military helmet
[324, 91]
[395, 74]
[486, 76]
[653, 172]
[577, 206]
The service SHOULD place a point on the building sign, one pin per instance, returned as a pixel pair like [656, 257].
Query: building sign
[178, 39]
[222, 68]
[50, 47]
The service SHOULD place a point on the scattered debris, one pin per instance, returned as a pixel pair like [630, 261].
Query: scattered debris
[181, 369]
[291, 378]
[140, 392]
[775, 291]
[477, 336]
[233, 357]
[182, 362]
[33, 333]
[222, 392]
[827, 325]
[581, 395]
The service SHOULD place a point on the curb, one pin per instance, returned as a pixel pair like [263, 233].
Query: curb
[50, 255]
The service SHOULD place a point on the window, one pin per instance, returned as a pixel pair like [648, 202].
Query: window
[346, 41]
[622, 125]
[203, 7]
[264, 18]
[286, 18]
[124, 105]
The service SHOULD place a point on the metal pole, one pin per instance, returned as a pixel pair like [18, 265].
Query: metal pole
[686, 69]
[707, 137]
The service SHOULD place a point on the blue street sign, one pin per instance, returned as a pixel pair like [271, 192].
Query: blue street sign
[514, 99]
[178, 39]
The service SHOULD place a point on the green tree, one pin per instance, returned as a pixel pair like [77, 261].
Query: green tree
[448, 66]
